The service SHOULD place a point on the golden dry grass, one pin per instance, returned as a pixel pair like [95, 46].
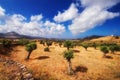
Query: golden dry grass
[107, 38]
[88, 65]
[9, 72]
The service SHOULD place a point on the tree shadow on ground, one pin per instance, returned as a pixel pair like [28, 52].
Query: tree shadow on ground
[81, 69]
[117, 54]
[42, 57]
[109, 57]
[76, 51]
[117, 75]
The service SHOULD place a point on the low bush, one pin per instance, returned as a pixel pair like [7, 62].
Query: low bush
[46, 49]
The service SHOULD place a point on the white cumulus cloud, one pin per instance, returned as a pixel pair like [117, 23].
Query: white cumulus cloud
[2, 11]
[36, 18]
[69, 14]
[34, 27]
[94, 14]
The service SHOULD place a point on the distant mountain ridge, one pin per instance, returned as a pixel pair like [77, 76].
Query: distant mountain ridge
[15, 35]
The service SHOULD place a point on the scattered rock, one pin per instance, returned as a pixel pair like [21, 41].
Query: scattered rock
[24, 74]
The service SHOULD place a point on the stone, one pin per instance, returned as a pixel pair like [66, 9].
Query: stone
[22, 67]
[28, 76]
[31, 79]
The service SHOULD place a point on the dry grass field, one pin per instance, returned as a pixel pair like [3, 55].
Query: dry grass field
[87, 65]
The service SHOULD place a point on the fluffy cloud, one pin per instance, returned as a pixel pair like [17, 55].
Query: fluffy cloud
[2, 11]
[94, 14]
[34, 27]
[36, 18]
[69, 14]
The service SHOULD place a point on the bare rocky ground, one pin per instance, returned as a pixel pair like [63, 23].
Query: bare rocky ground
[11, 70]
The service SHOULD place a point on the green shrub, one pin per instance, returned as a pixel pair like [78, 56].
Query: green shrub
[6, 43]
[68, 44]
[42, 42]
[46, 49]
[85, 46]
[48, 43]
[23, 42]
[60, 44]
[104, 49]
[114, 48]
[94, 45]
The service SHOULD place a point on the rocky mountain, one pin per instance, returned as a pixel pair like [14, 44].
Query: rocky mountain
[15, 35]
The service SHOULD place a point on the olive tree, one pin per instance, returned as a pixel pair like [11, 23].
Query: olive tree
[85, 46]
[68, 44]
[42, 42]
[60, 44]
[29, 48]
[6, 43]
[114, 48]
[48, 43]
[68, 55]
[104, 49]
[94, 45]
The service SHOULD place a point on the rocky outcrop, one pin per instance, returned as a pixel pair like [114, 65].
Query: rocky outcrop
[23, 73]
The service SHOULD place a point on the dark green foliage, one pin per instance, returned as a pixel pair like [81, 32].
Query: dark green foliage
[68, 55]
[46, 49]
[108, 44]
[22, 42]
[60, 44]
[114, 48]
[48, 43]
[68, 44]
[42, 42]
[104, 49]
[94, 45]
[6, 43]
[85, 46]
[29, 48]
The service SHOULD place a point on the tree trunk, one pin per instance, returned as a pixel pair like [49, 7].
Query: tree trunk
[86, 49]
[28, 55]
[67, 48]
[70, 71]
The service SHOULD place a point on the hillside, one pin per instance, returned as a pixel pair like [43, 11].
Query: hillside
[107, 38]
[88, 65]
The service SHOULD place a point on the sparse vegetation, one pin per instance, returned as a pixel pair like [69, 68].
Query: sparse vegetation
[29, 48]
[68, 55]
[6, 43]
[48, 43]
[94, 45]
[105, 50]
[22, 42]
[85, 46]
[42, 42]
[60, 44]
[46, 49]
[53, 66]
[68, 44]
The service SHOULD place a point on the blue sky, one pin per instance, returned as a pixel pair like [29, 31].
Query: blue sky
[60, 18]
